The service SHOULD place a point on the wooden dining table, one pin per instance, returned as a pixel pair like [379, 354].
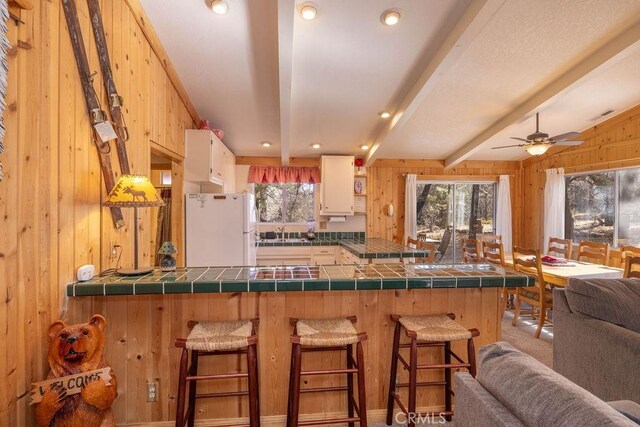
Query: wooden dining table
[560, 275]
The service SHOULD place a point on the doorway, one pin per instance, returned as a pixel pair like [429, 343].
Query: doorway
[166, 221]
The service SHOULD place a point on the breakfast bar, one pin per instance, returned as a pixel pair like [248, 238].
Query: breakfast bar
[157, 307]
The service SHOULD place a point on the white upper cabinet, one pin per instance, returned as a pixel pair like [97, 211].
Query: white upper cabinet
[229, 170]
[336, 186]
[207, 159]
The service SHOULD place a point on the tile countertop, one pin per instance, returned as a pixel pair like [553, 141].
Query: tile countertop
[304, 278]
[362, 248]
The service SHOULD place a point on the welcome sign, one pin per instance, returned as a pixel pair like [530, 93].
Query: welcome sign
[73, 384]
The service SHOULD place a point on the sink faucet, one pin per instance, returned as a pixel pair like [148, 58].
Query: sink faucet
[281, 230]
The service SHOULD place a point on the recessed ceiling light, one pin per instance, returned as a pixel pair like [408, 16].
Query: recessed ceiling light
[390, 17]
[316, 146]
[309, 12]
[219, 7]
[364, 147]
[266, 144]
[384, 114]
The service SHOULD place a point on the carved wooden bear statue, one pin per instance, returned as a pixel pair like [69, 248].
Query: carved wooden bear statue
[74, 349]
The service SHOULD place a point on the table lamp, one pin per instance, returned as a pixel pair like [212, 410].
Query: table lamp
[134, 191]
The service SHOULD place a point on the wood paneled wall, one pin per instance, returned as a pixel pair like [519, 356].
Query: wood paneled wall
[613, 144]
[51, 220]
[386, 185]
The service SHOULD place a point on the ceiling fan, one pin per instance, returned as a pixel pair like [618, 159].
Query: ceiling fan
[539, 142]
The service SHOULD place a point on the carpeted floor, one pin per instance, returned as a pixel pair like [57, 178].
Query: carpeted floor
[522, 338]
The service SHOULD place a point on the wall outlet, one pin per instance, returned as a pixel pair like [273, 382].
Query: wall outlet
[152, 391]
[114, 251]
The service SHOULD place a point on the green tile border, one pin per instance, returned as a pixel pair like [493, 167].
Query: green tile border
[206, 280]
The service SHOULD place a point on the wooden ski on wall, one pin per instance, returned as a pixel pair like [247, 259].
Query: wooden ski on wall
[102, 130]
[115, 100]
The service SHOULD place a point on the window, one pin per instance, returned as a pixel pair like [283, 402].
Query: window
[450, 212]
[603, 207]
[285, 203]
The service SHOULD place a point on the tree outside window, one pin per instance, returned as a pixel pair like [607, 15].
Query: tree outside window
[285, 203]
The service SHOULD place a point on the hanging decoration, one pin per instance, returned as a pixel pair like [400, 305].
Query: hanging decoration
[4, 70]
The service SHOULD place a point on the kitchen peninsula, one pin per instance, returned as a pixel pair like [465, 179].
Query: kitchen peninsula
[276, 293]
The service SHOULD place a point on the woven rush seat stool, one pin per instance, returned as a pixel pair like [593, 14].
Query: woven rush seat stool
[214, 339]
[319, 335]
[427, 331]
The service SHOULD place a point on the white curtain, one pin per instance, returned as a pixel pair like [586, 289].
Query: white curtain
[410, 206]
[503, 213]
[553, 206]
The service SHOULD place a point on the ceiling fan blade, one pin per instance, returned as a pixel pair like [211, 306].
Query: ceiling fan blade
[565, 136]
[568, 143]
[508, 146]
[519, 139]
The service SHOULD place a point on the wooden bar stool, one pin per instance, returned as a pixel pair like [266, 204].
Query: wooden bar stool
[311, 335]
[427, 331]
[213, 339]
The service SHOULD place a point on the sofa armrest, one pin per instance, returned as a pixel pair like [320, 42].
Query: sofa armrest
[627, 408]
[475, 406]
[596, 355]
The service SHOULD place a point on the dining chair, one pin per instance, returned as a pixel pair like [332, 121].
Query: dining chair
[494, 254]
[616, 258]
[560, 247]
[526, 260]
[595, 252]
[490, 238]
[444, 244]
[629, 271]
[423, 246]
[470, 250]
[628, 250]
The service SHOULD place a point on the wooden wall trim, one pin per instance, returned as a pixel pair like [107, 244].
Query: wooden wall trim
[165, 151]
[22, 4]
[157, 47]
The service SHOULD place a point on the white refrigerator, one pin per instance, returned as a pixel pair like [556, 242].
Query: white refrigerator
[220, 229]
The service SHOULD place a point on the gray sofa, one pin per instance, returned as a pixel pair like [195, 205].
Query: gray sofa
[596, 336]
[513, 389]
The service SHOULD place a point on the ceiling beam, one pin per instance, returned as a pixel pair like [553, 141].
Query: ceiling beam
[611, 52]
[286, 15]
[477, 15]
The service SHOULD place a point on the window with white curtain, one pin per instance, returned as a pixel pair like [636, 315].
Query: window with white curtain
[603, 207]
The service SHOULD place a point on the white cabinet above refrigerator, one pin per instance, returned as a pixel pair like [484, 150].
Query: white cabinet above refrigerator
[208, 160]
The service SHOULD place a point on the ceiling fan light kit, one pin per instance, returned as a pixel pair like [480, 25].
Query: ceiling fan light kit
[537, 149]
[538, 142]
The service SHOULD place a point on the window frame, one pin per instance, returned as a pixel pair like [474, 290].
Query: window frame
[284, 201]
[616, 195]
[453, 182]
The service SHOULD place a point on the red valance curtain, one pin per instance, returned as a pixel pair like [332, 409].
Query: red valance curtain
[283, 175]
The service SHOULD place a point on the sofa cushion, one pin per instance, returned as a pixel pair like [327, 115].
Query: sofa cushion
[611, 300]
[537, 395]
